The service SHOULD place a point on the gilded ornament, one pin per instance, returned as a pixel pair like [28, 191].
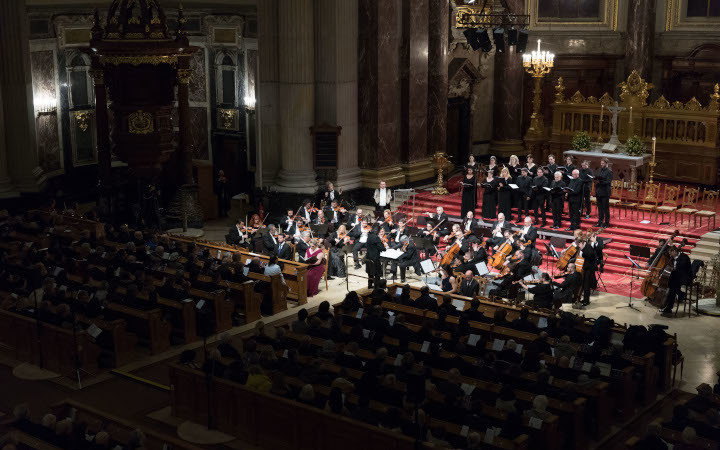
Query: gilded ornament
[134, 36]
[140, 122]
[136, 60]
[228, 117]
[592, 100]
[134, 21]
[184, 75]
[677, 105]
[577, 97]
[559, 89]
[606, 100]
[661, 103]
[157, 35]
[693, 105]
[82, 119]
[635, 88]
[715, 99]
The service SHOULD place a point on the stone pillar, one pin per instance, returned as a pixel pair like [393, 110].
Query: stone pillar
[438, 18]
[16, 85]
[414, 79]
[507, 103]
[5, 185]
[379, 105]
[336, 85]
[185, 146]
[640, 37]
[102, 128]
[296, 75]
[267, 91]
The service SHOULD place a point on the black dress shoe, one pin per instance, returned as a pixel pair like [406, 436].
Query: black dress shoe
[330, 278]
[402, 280]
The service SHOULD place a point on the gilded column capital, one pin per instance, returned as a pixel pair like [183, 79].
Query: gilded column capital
[184, 75]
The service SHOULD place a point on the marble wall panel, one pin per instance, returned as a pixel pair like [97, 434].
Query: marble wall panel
[251, 72]
[368, 99]
[507, 112]
[639, 49]
[198, 82]
[43, 82]
[415, 79]
[437, 75]
[198, 127]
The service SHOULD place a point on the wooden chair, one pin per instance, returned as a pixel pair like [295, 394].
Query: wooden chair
[631, 198]
[670, 201]
[707, 208]
[650, 200]
[689, 203]
[616, 188]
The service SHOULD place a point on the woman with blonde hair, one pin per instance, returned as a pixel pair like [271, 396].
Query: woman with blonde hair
[505, 194]
[514, 168]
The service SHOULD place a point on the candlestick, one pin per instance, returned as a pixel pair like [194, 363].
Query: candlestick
[652, 162]
[538, 45]
[631, 115]
[602, 109]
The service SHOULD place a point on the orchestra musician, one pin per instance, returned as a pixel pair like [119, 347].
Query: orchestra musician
[603, 182]
[565, 292]
[237, 234]
[374, 246]
[383, 197]
[270, 240]
[528, 232]
[557, 197]
[331, 194]
[680, 275]
[498, 227]
[574, 196]
[434, 236]
[255, 231]
[288, 223]
[354, 219]
[542, 292]
[302, 245]
[386, 223]
[361, 235]
[540, 198]
[307, 212]
[282, 250]
[661, 243]
[334, 244]
[335, 213]
[319, 218]
[470, 223]
[397, 233]
[409, 258]
[586, 175]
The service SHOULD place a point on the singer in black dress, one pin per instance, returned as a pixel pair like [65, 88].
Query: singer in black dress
[469, 192]
[490, 194]
[505, 194]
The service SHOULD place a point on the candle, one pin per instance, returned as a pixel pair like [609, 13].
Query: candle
[602, 108]
[538, 45]
[653, 145]
[631, 114]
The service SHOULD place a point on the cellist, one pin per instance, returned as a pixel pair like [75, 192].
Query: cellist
[497, 233]
[680, 275]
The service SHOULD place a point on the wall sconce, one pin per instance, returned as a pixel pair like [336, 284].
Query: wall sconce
[44, 105]
[249, 101]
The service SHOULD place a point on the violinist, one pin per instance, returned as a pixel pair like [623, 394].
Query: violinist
[237, 234]
[307, 212]
[681, 275]
[565, 292]
[299, 229]
[498, 236]
[384, 238]
[386, 223]
[319, 218]
[438, 217]
[409, 258]
[287, 222]
[255, 230]
[528, 232]
[398, 233]
[430, 234]
[470, 223]
[354, 219]
[361, 235]
[335, 213]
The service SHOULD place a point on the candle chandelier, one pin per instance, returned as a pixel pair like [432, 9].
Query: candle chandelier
[538, 63]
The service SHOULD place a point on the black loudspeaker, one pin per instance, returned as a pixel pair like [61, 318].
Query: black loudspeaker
[478, 39]
[472, 38]
[484, 38]
[513, 37]
[522, 41]
[499, 38]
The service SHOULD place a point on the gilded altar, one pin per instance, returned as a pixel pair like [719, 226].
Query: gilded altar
[686, 133]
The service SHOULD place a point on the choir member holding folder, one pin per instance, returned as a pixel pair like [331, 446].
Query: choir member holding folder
[490, 194]
[505, 193]
[469, 192]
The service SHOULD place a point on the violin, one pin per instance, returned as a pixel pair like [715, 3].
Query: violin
[339, 209]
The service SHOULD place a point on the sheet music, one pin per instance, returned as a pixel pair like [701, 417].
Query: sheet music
[427, 265]
[391, 253]
[482, 268]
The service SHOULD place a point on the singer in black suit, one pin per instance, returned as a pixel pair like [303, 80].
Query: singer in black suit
[680, 276]
[586, 175]
[603, 182]
[557, 196]
[490, 196]
[524, 190]
[574, 195]
[540, 197]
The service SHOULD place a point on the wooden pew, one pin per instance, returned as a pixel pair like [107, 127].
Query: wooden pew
[256, 417]
[96, 229]
[53, 346]
[118, 428]
[243, 295]
[222, 307]
[295, 273]
[182, 314]
[278, 289]
[123, 341]
[27, 441]
[147, 324]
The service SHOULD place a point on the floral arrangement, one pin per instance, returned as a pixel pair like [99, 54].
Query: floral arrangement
[581, 141]
[635, 146]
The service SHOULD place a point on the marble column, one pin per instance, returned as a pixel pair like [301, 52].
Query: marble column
[267, 91]
[379, 104]
[438, 18]
[507, 92]
[414, 80]
[296, 76]
[102, 126]
[184, 147]
[5, 185]
[18, 108]
[640, 37]
[336, 81]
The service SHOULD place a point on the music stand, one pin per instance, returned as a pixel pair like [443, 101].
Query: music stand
[632, 277]
[320, 230]
[421, 220]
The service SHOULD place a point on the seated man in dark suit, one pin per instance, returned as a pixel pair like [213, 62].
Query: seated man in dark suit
[282, 249]
[469, 286]
[568, 289]
[236, 235]
[425, 301]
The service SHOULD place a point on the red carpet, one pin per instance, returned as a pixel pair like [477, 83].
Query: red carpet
[623, 232]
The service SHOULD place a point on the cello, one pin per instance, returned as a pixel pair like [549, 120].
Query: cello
[655, 284]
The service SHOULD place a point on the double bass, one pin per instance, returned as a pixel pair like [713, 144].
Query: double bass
[655, 284]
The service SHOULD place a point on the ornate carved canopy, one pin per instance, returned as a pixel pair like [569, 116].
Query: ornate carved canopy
[136, 19]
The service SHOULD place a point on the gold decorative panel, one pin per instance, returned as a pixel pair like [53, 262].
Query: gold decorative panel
[77, 36]
[607, 18]
[140, 122]
[225, 35]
